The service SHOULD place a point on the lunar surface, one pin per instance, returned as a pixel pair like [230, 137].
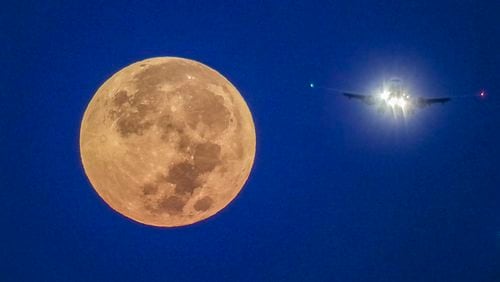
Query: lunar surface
[167, 141]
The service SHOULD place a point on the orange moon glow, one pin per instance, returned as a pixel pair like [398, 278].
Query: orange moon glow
[167, 141]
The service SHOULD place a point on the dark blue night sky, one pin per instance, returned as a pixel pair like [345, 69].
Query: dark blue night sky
[338, 192]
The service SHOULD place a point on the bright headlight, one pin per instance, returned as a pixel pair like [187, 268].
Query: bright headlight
[384, 95]
[392, 102]
[401, 102]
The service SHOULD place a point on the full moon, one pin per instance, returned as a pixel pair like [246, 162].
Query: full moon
[167, 141]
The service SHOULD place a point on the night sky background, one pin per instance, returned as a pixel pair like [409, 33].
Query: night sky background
[338, 192]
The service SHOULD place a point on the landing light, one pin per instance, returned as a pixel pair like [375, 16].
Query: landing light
[391, 102]
[401, 102]
[384, 95]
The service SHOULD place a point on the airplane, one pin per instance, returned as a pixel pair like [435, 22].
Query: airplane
[393, 96]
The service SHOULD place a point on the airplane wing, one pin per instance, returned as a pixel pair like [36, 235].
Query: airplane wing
[368, 99]
[422, 102]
